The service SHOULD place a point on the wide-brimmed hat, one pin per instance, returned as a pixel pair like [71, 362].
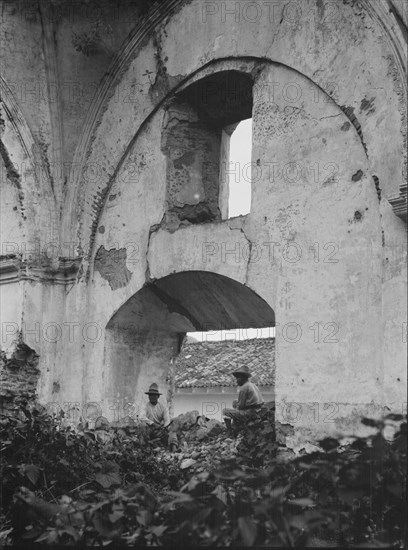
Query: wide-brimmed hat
[154, 389]
[243, 371]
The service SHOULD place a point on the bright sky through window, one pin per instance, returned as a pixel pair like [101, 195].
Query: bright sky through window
[240, 170]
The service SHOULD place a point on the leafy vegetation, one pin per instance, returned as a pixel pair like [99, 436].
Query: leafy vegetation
[101, 487]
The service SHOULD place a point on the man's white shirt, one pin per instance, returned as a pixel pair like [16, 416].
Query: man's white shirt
[158, 414]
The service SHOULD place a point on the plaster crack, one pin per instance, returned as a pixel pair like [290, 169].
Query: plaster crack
[248, 261]
[330, 116]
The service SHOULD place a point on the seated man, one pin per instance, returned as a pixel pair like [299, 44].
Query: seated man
[157, 414]
[249, 399]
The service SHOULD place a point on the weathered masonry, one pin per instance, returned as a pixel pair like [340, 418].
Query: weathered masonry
[116, 239]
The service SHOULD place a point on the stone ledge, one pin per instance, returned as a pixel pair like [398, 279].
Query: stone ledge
[63, 272]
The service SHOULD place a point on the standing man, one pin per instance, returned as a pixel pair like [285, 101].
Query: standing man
[157, 414]
[249, 399]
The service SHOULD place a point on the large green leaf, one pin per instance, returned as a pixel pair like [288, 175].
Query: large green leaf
[32, 472]
[109, 475]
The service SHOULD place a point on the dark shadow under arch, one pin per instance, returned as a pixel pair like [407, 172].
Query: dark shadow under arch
[194, 301]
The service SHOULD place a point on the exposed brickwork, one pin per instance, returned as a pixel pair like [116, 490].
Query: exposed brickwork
[18, 377]
[193, 152]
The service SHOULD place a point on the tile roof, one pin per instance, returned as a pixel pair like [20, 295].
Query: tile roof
[209, 364]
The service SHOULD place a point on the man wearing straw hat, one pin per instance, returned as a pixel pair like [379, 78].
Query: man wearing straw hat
[249, 399]
[157, 414]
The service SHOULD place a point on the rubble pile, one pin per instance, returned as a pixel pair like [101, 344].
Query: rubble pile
[191, 427]
[199, 456]
[203, 443]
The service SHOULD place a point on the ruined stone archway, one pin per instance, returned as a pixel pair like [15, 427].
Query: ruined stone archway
[147, 331]
[322, 241]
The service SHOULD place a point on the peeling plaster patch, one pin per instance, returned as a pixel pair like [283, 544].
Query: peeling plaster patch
[345, 127]
[368, 105]
[18, 377]
[111, 264]
[56, 387]
[163, 81]
[357, 176]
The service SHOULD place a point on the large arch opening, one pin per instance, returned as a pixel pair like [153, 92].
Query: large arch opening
[144, 337]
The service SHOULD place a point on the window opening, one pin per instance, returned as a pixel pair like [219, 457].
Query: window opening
[239, 172]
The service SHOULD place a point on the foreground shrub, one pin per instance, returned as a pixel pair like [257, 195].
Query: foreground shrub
[39, 452]
[344, 497]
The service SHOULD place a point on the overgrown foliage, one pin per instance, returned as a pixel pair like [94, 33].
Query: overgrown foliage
[106, 486]
[39, 451]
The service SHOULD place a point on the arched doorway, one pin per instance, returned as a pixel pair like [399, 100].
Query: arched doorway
[145, 335]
